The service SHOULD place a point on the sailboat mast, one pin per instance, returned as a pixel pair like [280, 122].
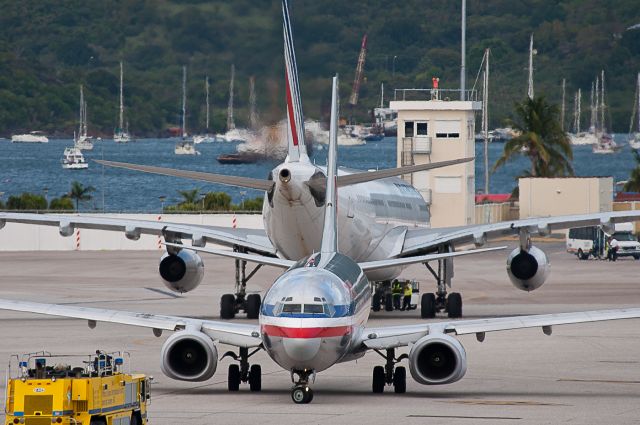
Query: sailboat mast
[382, 93]
[84, 122]
[602, 103]
[638, 90]
[592, 109]
[579, 111]
[230, 124]
[253, 115]
[81, 117]
[562, 111]
[121, 98]
[206, 89]
[596, 103]
[184, 101]
[485, 120]
[530, 88]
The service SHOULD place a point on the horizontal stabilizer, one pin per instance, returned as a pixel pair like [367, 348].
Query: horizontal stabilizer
[252, 258]
[395, 262]
[194, 175]
[368, 176]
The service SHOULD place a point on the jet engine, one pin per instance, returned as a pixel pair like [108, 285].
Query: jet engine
[437, 359]
[181, 272]
[528, 270]
[189, 356]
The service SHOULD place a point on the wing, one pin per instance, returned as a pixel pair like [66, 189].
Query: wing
[419, 241]
[252, 239]
[236, 334]
[397, 336]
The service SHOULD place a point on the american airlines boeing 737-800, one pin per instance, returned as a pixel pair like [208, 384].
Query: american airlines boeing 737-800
[381, 218]
[315, 315]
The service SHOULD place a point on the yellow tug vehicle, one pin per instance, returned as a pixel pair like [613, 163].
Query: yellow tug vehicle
[47, 390]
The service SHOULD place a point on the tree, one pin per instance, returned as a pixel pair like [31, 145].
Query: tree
[80, 193]
[27, 201]
[217, 201]
[633, 184]
[541, 139]
[61, 204]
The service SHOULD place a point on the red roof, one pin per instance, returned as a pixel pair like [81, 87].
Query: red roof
[495, 198]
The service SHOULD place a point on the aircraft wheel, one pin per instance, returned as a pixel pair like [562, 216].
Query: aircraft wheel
[378, 379]
[234, 377]
[255, 377]
[301, 395]
[400, 380]
[388, 302]
[454, 305]
[428, 306]
[227, 306]
[253, 306]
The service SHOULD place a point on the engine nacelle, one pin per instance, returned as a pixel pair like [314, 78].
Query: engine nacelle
[528, 270]
[181, 272]
[437, 359]
[189, 356]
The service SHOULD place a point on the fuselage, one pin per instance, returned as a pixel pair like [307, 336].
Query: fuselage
[312, 315]
[372, 217]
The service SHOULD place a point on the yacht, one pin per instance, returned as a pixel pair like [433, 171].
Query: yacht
[83, 141]
[186, 145]
[605, 144]
[33, 137]
[73, 159]
[121, 135]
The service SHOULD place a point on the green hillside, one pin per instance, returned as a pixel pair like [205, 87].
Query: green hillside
[48, 48]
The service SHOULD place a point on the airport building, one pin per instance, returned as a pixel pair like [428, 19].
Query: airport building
[433, 128]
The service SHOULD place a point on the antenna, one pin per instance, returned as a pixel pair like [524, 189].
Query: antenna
[530, 88]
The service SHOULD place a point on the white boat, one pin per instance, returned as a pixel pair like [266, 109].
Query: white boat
[234, 134]
[634, 138]
[206, 138]
[605, 143]
[121, 135]
[83, 141]
[186, 145]
[73, 159]
[33, 137]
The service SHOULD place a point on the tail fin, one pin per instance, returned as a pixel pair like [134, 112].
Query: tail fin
[295, 118]
[330, 230]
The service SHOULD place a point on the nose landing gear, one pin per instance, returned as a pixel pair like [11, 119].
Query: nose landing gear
[301, 393]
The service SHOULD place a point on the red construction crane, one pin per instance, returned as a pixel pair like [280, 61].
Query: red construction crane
[355, 91]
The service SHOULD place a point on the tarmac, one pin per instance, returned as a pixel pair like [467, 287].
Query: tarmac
[582, 374]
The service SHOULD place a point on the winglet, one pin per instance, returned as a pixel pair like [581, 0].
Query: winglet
[330, 230]
[295, 120]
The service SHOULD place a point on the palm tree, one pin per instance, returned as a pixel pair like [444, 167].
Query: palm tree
[633, 184]
[80, 193]
[189, 196]
[540, 138]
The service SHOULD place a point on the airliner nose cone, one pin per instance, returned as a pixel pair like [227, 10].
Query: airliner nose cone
[301, 349]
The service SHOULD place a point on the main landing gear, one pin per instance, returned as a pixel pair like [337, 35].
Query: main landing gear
[231, 304]
[430, 304]
[243, 372]
[389, 374]
[301, 393]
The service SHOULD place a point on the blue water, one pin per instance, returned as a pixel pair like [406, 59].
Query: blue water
[33, 167]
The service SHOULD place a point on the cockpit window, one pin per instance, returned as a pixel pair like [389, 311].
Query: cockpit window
[291, 308]
[314, 308]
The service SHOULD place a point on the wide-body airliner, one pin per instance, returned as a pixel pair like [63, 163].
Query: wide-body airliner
[315, 315]
[381, 217]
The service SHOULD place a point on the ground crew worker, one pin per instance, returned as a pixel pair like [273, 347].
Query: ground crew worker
[396, 291]
[613, 249]
[408, 291]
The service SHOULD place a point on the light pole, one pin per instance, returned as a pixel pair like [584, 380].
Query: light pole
[162, 199]
[393, 66]
[242, 193]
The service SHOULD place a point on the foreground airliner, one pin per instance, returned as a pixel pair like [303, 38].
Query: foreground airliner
[314, 316]
[381, 218]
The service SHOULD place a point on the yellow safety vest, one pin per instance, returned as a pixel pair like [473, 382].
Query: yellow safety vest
[408, 291]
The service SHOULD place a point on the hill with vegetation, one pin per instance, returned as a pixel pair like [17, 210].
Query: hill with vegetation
[49, 47]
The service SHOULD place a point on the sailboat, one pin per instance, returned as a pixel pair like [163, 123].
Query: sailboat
[634, 138]
[581, 137]
[121, 135]
[205, 138]
[186, 145]
[605, 143]
[83, 141]
[233, 134]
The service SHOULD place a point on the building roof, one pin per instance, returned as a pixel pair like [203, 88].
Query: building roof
[626, 196]
[492, 198]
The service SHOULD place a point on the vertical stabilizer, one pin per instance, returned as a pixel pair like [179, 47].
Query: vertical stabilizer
[295, 120]
[330, 230]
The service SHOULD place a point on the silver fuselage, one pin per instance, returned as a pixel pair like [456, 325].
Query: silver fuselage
[372, 217]
[313, 315]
